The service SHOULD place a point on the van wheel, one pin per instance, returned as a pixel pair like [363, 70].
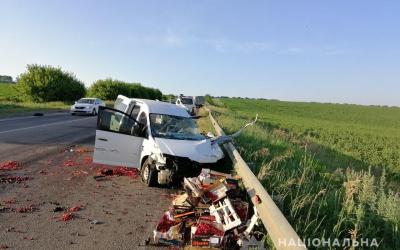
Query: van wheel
[149, 174]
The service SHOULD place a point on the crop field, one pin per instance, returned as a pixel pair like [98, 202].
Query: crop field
[332, 169]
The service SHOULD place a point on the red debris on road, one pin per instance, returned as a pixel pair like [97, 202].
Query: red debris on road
[132, 173]
[28, 209]
[67, 216]
[9, 165]
[82, 150]
[70, 163]
[87, 160]
[75, 208]
[10, 201]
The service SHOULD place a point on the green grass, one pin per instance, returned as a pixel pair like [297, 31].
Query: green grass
[12, 108]
[314, 159]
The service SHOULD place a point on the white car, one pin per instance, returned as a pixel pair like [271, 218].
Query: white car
[187, 103]
[159, 138]
[89, 106]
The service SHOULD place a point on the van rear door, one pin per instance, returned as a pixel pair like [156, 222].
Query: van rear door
[117, 139]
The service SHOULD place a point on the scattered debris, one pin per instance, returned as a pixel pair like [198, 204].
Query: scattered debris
[9, 165]
[82, 150]
[27, 209]
[14, 179]
[70, 163]
[96, 222]
[43, 172]
[58, 209]
[87, 160]
[67, 216]
[75, 208]
[10, 201]
[78, 173]
[132, 173]
[211, 213]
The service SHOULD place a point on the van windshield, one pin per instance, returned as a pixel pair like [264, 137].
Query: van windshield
[174, 127]
[188, 101]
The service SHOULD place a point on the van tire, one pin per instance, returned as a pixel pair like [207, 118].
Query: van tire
[148, 173]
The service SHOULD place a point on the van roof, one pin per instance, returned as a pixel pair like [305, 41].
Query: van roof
[159, 107]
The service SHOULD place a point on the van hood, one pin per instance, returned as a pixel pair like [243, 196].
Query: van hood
[200, 151]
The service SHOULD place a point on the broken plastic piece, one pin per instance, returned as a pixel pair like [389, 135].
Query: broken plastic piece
[252, 222]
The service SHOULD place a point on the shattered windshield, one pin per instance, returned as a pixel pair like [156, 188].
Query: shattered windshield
[174, 127]
[90, 101]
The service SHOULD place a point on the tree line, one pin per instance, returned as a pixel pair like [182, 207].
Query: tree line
[44, 83]
[6, 79]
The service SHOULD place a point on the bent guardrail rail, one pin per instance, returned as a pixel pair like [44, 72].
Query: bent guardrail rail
[280, 231]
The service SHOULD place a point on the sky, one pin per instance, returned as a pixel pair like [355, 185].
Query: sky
[323, 51]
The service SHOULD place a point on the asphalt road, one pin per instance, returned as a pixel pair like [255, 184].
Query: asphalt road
[30, 137]
[128, 211]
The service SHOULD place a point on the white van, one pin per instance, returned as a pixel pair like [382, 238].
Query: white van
[187, 102]
[159, 138]
[199, 101]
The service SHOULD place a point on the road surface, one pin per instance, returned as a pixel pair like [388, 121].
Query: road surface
[128, 211]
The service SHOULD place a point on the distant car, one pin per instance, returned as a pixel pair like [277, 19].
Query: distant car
[187, 103]
[88, 106]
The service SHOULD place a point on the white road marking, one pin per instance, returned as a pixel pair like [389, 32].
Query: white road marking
[44, 125]
[30, 117]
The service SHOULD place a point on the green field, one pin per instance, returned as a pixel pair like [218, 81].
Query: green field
[331, 168]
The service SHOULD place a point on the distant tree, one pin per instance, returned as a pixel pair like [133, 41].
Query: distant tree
[6, 79]
[109, 89]
[44, 83]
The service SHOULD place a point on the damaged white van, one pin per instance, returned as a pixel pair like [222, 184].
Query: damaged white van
[159, 138]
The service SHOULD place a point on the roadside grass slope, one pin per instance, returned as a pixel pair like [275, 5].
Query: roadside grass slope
[325, 165]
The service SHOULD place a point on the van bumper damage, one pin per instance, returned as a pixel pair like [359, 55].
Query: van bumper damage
[172, 168]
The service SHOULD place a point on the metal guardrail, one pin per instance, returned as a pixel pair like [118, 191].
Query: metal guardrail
[280, 231]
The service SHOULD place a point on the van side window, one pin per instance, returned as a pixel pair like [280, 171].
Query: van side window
[143, 121]
[116, 121]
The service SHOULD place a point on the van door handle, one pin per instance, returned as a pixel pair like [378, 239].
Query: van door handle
[102, 139]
